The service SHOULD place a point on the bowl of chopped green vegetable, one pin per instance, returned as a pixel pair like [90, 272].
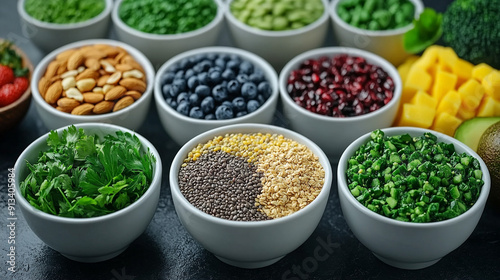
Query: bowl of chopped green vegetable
[88, 190]
[411, 195]
[375, 25]
[50, 24]
[162, 29]
[277, 30]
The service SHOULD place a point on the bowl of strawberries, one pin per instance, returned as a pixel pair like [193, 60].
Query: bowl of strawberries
[15, 92]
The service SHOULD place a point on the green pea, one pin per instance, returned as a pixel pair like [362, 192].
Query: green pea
[64, 11]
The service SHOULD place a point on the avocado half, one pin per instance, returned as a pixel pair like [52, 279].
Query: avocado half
[470, 131]
[489, 150]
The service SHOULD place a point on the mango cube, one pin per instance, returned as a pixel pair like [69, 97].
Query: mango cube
[491, 84]
[418, 78]
[444, 82]
[465, 114]
[416, 115]
[447, 58]
[450, 103]
[446, 123]
[463, 69]
[429, 58]
[404, 68]
[481, 70]
[422, 98]
[472, 93]
[489, 107]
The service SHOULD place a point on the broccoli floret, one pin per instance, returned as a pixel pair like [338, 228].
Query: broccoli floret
[472, 29]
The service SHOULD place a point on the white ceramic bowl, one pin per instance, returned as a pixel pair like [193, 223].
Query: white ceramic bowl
[159, 48]
[278, 47]
[90, 239]
[49, 36]
[176, 124]
[385, 43]
[408, 245]
[250, 244]
[333, 134]
[130, 117]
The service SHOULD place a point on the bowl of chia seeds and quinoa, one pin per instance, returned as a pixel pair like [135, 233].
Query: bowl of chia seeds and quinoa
[411, 195]
[250, 193]
[162, 29]
[50, 24]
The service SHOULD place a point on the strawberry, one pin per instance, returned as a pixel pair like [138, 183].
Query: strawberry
[8, 94]
[22, 84]
[6, 75]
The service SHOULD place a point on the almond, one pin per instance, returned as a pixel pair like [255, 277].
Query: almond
[123, 102]
[71, 73]
[67, 103]
[68, 83]
[103, 107]
[64, 56]
[92, 63]
[75, 60]
[95, 54]
[115, 93]
[133, 84]
[110, 51]
[64, 109]
[133, 74]
[54, 92]
[123, 67]
[134, 94]
[51, 69]
[85, 85]
[84, 109]
[132, 62]
[91, 97]
[102, 80]
[114, 78]
[74, 93]
[88, 73]
[43, 85]
[63, 67]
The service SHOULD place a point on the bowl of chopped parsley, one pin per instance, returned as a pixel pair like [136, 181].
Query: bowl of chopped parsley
[50, 24]
[88, 190]
[411, 195]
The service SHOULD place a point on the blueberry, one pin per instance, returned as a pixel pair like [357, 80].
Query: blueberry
[252, 106]
[193, 82]
[220, 62]
[239, 104]
[167, 77]
[234, 65]
[165, 90]
[246, 67]
[183, 108]
[194, 99]
[224, 57]
[219, 93]
[210, 117]
[265, 89]
[233, 88]
[242, 78]
[207, 104]
[205, 65]
[180, 84]
[196, 113]
[182, 97]
[223, 113]
[179, 74]
[202, 90]
[249, 91]
[228, 104]
[189, 73]
[203, 78]
[228, 74]
[171, 102]
[214, 77]
[242, 113]
[211, 56]
[261, 99]
[256, 77]
[184, 64]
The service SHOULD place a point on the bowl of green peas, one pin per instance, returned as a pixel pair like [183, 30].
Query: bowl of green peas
[277, 30]
[50, 24]
[411, 195]
[163, 29]
[377, 26]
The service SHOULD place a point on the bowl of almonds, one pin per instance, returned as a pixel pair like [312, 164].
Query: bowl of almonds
[93, 81]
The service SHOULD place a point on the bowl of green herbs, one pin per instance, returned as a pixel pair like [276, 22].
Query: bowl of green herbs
[50, 24]
[88, 191]
[411, 195]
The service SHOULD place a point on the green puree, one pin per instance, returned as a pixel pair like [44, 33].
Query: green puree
[64, 11]
[414, 179]
[167, 17]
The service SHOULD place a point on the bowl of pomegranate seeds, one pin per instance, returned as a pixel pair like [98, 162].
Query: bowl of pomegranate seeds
[333, 95]
[15, 92]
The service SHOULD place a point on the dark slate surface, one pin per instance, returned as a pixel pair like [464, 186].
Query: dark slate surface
[166, 250]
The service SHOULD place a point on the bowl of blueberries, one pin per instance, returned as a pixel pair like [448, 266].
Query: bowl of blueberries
[210, 87]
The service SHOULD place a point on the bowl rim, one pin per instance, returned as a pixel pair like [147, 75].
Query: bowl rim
[277, 33]
[342, 185]
[26, 63]
[331, 52]
[64, 26]
[255, 127]
[419, 7]
[256, 60]
[119, 23]
[135, 53]
[155, 182]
